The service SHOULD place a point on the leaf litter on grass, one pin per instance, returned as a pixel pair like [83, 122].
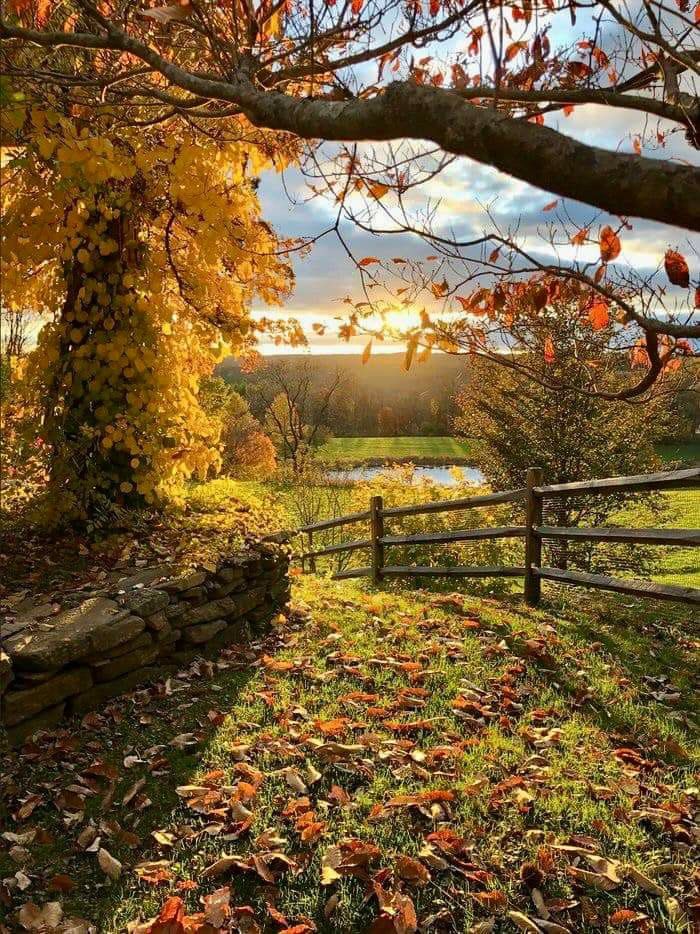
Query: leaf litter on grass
[379, 762]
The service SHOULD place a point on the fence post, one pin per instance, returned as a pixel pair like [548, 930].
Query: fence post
[312, 561]
[533, 542]
[376, 531]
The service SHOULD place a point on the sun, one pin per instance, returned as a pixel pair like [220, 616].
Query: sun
[402, 319]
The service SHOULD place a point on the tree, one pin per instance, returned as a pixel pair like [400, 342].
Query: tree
[143, 258]
[295, 405]
[246, 451]
[488, 82]
[519, 422]
[386, 421]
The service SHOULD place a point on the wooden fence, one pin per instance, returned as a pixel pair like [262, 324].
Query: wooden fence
[533, 532]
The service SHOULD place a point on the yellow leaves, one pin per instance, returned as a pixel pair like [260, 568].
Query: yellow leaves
[135, 347]
[108, 246]
[410, 352]
[46, 146]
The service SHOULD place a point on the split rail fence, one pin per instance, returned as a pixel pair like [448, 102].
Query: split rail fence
[534, 532]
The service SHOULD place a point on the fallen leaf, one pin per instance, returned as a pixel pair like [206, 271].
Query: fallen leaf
[108, 864]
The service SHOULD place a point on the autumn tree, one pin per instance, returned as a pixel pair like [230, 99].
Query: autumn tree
[520, 417]
[295, 406]
[246, 451]
[431, 82]
[141, 251]
[386, 421]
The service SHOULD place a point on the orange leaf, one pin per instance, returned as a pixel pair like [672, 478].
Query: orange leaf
[609, 244]
[677, 269]
[550, 206]
[549, 355]
[513, 49]
[599, 314]
[434, 7]
[408, 358]
[43, 11]
[171, 917]
[366, 353]
[579, 238]
[697, 296]
[378, 190]
[368, 261]
[356, 6]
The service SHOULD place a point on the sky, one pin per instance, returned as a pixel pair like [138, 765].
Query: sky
[461, 193]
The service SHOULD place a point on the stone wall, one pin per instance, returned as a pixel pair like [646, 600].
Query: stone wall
[122, 636]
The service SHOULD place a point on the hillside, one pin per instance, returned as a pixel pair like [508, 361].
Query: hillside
[381, 762]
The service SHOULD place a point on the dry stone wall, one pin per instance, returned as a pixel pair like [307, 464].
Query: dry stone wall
[156, 620]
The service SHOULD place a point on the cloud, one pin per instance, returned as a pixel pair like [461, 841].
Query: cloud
[460, 196]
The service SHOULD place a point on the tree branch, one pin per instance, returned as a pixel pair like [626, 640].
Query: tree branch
[618, 183]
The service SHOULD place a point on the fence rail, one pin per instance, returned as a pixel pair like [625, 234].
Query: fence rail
[533, 532]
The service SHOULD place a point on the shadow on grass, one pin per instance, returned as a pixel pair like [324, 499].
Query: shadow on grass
[653, 648]
[144, 730]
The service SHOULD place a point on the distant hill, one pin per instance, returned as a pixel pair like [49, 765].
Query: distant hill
[419, 400]
[383, 372]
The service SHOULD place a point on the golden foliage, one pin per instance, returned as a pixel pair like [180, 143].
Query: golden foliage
[144, 252]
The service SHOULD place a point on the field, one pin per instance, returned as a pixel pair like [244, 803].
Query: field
[433, 451]
[427, 451]
[385, 756]
[686, 452]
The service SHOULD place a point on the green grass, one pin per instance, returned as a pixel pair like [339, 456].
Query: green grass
[533, 765]
[447, 450]
[417, 450]
[685, 452]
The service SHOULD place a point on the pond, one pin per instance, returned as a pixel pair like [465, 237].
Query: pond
[442, 475]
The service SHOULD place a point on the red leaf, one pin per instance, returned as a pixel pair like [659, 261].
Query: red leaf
[513, 49]
[609, 244]
[677, 269]
[434, 7]
[368, 261]
[356, 6]
[599, 315]
[171, 917]
[549, 355]
[550, 206]
[697, 296]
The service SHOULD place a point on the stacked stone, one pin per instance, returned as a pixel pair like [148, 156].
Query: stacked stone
[150, 624]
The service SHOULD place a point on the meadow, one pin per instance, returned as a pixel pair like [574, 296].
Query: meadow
[428, 451]
[423, 450]
[451, 757]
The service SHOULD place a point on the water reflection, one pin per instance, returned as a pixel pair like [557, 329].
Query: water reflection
[445, 476]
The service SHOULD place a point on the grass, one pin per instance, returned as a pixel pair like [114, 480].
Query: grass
[542, 727]
[352, 452]
[686, 453]
[346, 452]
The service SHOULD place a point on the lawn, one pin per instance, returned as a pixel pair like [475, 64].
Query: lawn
[685, 453]
[417, 450]
[426, 450]
[381, 758]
